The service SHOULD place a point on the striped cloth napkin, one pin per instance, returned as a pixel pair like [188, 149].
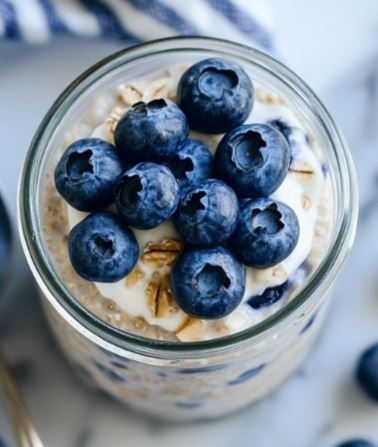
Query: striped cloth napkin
[134, 21]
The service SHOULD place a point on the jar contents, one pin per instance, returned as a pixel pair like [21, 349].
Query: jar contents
[188, 205]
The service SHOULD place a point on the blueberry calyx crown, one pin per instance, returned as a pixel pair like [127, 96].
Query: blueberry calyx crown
[214, 82]
[193, 203]
[267, 219]
[80, 165]
[144, 107]
[211, 279]
[192, 164]
[103, 246]
[248, 154]
[181, 167]
[129, 191]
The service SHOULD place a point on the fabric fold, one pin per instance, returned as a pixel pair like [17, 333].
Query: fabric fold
[134, 21]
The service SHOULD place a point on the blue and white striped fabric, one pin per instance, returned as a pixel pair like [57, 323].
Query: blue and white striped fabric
[133, 21]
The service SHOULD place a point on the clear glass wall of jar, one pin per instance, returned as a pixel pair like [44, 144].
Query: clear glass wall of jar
[175, 380]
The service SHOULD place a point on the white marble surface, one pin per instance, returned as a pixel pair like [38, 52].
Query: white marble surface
[334, 46]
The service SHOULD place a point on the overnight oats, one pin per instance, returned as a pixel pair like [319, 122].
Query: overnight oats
[189, 210]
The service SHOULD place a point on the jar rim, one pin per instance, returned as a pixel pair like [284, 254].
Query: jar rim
[53, 287]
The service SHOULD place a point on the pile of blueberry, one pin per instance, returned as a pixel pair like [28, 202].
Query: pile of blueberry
[220, 205]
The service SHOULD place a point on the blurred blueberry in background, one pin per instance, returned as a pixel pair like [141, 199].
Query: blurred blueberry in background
[5, 241]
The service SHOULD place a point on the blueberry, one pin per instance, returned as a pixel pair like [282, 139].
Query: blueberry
[216, 95]
[201, 369]
[87, 173]
[282, 126]
[308, 324]
[273, 294]
[152, 131]
[102, 248]
[208, 283]
[246, 375]
[270, 296]
[5, 239]
[295, 136]
[207, 214]
[146, 195]
[357, 443]
[253, 159]
[367, 372]
[187, 405]
[192, 164]
[109, 373]
[267, 231]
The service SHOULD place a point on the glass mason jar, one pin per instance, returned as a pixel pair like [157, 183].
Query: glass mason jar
[194, 380]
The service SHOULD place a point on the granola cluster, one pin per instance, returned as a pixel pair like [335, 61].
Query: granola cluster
[158, 293]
